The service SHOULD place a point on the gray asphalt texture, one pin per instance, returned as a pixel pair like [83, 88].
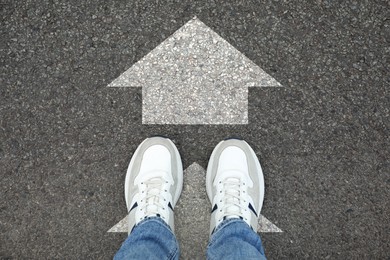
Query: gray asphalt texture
[323, 140]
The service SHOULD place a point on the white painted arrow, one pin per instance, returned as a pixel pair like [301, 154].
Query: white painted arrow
[192, 213]
[194, 77]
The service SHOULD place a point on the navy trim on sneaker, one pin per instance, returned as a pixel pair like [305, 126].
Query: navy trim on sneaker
[170, 205]
[134, 206]
[253, 210]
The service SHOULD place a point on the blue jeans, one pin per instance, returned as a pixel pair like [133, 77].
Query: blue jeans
[153, 239]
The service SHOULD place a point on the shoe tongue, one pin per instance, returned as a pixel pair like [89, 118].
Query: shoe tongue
[232, 209]
[154, 215]
[232, 216]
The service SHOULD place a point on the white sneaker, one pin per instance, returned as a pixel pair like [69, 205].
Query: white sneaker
[154, 181]
[235, 183]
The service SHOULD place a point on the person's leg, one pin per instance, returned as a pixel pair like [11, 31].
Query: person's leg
[150, 239]
[153, 185]
[234, 239]
[235, 187]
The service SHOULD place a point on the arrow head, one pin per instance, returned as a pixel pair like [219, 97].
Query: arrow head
[194, 53]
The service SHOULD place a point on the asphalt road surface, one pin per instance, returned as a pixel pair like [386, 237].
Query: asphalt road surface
[323, 140]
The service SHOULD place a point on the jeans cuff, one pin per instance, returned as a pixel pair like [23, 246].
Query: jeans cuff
[227, 222]
[153, 219]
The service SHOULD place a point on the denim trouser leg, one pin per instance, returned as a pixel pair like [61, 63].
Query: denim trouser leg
[234, 239]
[150, 239]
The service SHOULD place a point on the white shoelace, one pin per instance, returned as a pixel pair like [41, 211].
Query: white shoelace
[153, 202]
[233, 202]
